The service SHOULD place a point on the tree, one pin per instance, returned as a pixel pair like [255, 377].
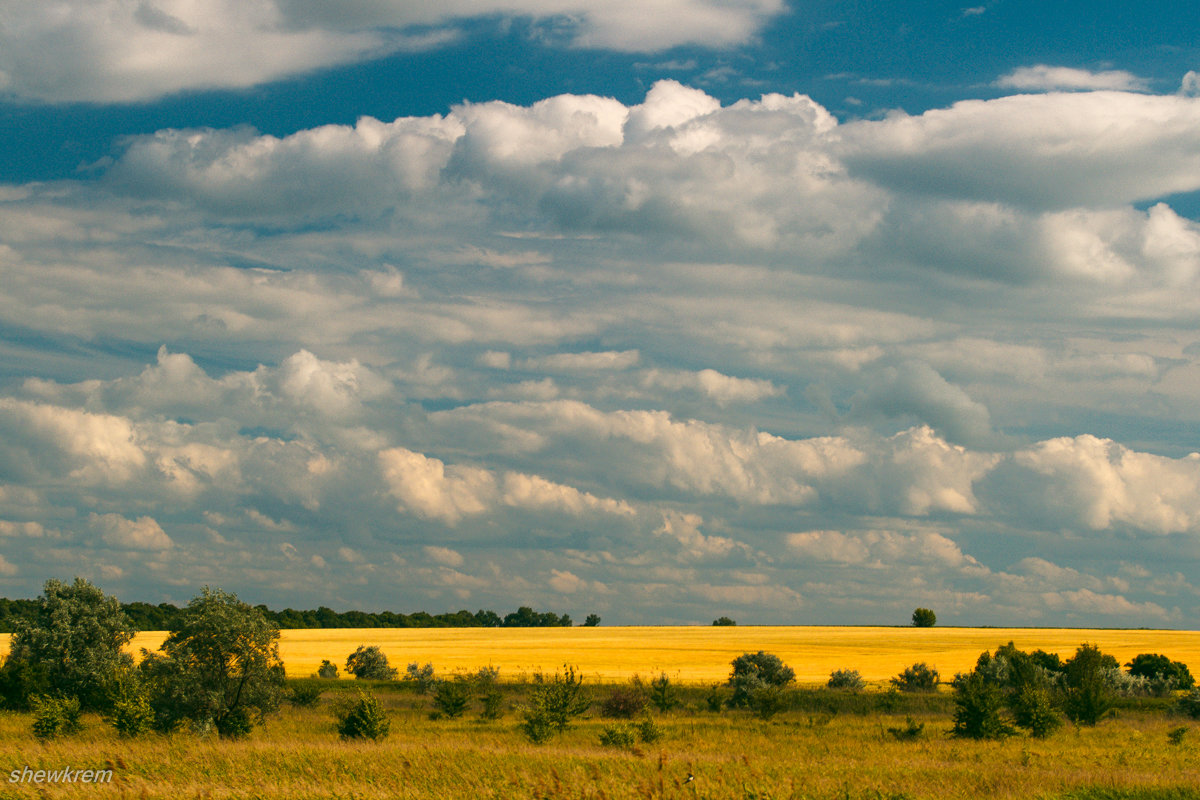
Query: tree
[553, 704]
[924, 618]
[219, 668]
[71, 647]
[369, 663]
[978, 703]
[592, 621]
[754, 671]
[1155, 666]
[1088, 696]
[723, 621]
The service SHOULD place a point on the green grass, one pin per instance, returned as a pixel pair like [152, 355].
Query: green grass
[826, 745]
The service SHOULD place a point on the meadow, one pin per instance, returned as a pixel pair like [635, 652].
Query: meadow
[825, 744]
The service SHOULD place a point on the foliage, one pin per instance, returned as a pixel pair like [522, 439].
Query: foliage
[1155, 666]
[591, 621]
[648, 731]
[845, 679]
[663, 694]
[55, 716]
[369, 663]
[1088, 696]
[327, 670]
[621, 736]
[553, 704]
[129, 709]
[978, 706]
[1033, 709]
[752, 671]
[220, 667]
[364, 719]
[71, 646]
[924, 618]
[526, 617]
[1189, 704]
[624, 702]
[920, 677]
[305, 695]
[492, 700]
[452, 697]
[767, 700]
[714, 699]
[421, 677]
[911, 730]
[1175, 735]
[723, 621]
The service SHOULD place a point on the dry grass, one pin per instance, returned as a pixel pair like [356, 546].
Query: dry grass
[732, 755]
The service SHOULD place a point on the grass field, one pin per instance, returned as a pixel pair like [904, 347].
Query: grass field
[799, 754]
[702, 654]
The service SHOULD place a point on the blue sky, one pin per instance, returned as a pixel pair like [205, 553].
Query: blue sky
[788, 312]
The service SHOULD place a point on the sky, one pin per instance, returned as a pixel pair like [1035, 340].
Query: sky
[793, 312]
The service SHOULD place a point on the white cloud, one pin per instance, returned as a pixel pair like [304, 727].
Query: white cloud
[1044, 78]
[607, 360]
[444, 556]
[116, 51]
[144, 533]
[724, 389]
[883, 549]
[7, 568]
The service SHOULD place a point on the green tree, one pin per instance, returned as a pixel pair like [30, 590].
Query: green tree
[723, 621]
[754, 671]
[368, 663]
[592, 621]
[1156, 666]
[978, 707]
[1088, 696]
[553, 704]
[71, 647]
[924, 618]
[219, 668]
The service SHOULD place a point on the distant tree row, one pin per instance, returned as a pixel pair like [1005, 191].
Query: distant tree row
[165, 616]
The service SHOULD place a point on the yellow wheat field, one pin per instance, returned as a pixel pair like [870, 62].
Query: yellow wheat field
[701, 654]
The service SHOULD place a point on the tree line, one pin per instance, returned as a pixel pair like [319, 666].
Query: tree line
[166, 616]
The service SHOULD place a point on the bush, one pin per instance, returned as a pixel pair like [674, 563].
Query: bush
[662, 693]
[492, 704]
[624, 702]
[714, 700]
[1154, 666]
[553, 704]
[911, 730]
[1088, 694]
[1033, 709]
[130, 711]
[752, 671]
[327, 670]
[845, 679]
[1188, 705]
[55, 716]
[766, 701]
[923, 618]
[621, 736]
[920, 677]
[364, 719]
[978, 704]
[369, 663]
[648, 731]
[452, 697]
[305, 695]
[421, 677]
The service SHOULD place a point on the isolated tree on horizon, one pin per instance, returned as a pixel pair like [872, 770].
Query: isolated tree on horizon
[924, 618]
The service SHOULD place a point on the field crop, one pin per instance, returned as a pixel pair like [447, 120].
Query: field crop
[702, 654]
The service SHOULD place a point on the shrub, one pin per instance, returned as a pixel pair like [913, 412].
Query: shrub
[1154, 666]
[924, 618]
[484, 676]
[492, 704]
[421, 677]
[327, 670]
[452, 697]
[714, 700]
[648, 731]
[364, 719]
[553, 704]
[766, 701]
[978, 704]
[662, 693]
[1088, 694]
[845, 679]
[55, 716]
[1175, 735]
[1033, 709]
[130, 711]
[753, 671]
[1188, 705]
[621, 736]
[305, 695]
[624, 702]
[920, 677]
[369, 663]
[911, 730]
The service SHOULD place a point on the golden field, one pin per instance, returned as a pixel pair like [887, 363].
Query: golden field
[701, 654]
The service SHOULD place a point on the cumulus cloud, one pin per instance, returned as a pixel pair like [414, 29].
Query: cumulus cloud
[915, 389]
[1045, 78]
[114, 51]
[883, 549]
[723, 389]
[144, 533]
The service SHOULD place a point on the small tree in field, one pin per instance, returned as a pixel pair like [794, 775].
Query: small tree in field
[553, 704]
[368, 663]
[220, 667]
[924, 618]
[71, 648]
[723, 621]
[754, 671]
[920, 677]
